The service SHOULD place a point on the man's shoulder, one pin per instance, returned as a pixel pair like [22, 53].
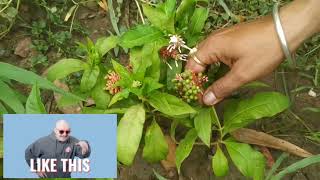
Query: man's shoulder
[44, 139]
[73, 139]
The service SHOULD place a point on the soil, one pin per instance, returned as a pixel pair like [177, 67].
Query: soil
[198, 165]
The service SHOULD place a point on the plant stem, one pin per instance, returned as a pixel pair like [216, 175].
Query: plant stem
[140, 12]
[218, 123]
[300, 120]
[7, 5]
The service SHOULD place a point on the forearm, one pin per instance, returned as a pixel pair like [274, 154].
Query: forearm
[300, 20]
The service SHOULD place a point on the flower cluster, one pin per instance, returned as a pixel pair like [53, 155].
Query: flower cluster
[112, 78]
[173, 50]
[173, 54]
[189, 85]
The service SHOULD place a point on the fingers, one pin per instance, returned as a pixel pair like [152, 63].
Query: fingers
[194, 67]
[223, 87]
[84, 147]
[206, 54]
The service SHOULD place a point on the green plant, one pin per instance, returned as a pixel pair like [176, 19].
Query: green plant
[13, 101]
[8, 13]
[291, 168]
[93, 69]
[146, 90]
[53, 32]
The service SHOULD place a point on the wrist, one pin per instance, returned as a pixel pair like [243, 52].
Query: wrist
[316, 14]
[300, 20]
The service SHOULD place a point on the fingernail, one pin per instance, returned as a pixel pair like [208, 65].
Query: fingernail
[209, 98]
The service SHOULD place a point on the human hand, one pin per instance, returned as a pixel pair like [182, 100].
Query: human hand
[84, 147]
[252, 50]
[42, 174]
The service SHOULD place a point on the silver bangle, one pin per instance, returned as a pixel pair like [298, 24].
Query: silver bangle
[282, 36]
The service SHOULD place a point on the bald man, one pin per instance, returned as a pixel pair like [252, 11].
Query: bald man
[58, 145]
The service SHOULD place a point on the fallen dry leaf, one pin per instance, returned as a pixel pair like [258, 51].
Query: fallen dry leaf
[250, 136]
[69, 13]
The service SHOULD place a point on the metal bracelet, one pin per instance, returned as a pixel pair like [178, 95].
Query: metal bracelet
[282, 36]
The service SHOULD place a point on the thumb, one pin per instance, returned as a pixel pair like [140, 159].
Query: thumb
[222, 88]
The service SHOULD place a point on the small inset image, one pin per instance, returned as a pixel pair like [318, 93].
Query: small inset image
[60, 146]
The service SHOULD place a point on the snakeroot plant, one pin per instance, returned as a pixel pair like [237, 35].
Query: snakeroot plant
[153, 86]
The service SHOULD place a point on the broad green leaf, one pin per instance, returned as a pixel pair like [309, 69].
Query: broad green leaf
[255, 84]
[168, 6]
[125, 78]
[21, 97]
[250, 162]
[241, 113]
[66, 101]
[220, 165]
[149, 85]
[89, 78]
[137, 60]
[202, 123]
[139, 63]
[140, 35]
[34, 104]
[161, 17]
[259, 165]
[151, 50]
[9, 97]
[119, 96]
[91, 110]
[169, 104]
[100, 96]
[3, 109]
[129, 134]
[65, 67]
[297, 166]
[185, 6]
[171, 73]
[156, 147]
[27, 77]
[104, 44]
[185, 147]
[187, 122]
[198, 20]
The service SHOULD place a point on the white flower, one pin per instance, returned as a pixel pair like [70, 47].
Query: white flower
[176, 42]
[312, 93]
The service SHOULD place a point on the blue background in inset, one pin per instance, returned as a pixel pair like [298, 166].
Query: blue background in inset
[20, 130]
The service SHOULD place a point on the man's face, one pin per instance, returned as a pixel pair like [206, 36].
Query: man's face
[62, 131]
